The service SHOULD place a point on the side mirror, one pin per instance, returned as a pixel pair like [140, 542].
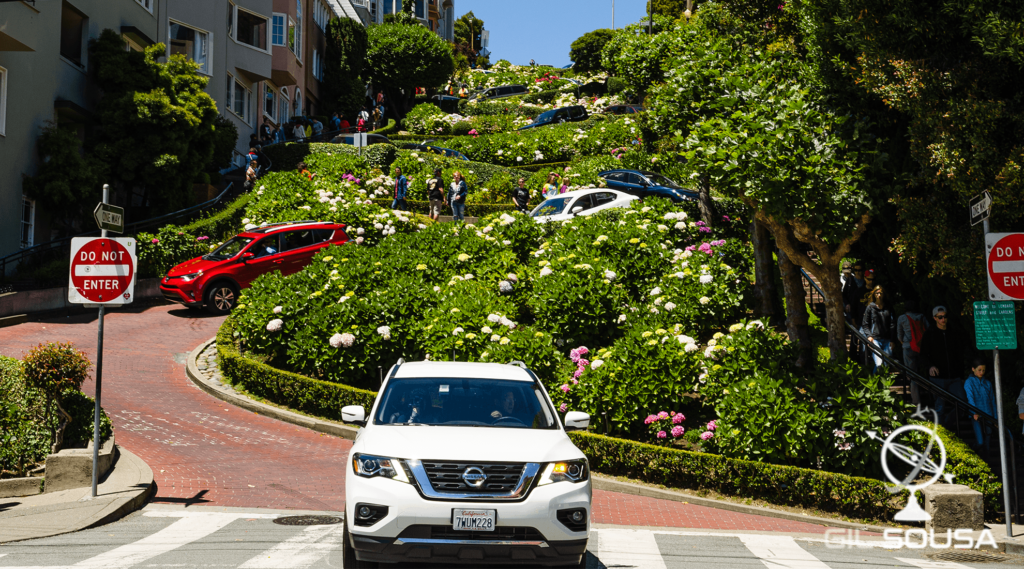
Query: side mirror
[356, 415]
[576, 421]
[577, 209]
[247, 256]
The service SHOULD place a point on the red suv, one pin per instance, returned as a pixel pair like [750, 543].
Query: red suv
[214, 279]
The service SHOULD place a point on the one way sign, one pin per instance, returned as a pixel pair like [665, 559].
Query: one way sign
[109, 217]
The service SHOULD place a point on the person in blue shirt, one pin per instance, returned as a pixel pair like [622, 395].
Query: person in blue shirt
[401, 188]
[981, 395]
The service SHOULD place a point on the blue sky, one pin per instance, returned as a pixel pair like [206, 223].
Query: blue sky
[544, 29]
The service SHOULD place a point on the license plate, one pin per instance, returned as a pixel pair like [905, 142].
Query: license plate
[473, 520]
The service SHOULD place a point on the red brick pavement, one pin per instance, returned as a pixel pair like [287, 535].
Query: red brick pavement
[204, 451]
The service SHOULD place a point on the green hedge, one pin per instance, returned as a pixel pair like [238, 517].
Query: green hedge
[420, 137]
[298, 392]
[223, 224]
[497, 107]
[546, 167]
[449, 106]
[286, 156]
[472, 210]
[392, 127]
[782, 485]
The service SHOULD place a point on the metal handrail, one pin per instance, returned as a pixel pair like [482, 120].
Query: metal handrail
[937, 391]
[129, 228]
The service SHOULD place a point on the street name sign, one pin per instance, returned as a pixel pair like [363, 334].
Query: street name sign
[109, 217]
[981, 207]
[102, 270]
[995, 325]
[1005, 262]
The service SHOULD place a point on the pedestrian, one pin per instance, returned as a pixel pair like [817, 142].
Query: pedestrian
[298, 132]
[361, 124]
[942, 357]
[309, 129]
[533, 63]
[377, 115]
[266, 133]
[250, 175]
[551, 188]
[982, 396]
[318, 128]
[335, 124]
[879, 326]
[365, 113]
[457, 192]
[910, 329]
[304, 171]
[401, 188]
[252, 156]
[380, 98]
[521, 196]
[344, 126]
[435, 193]
[853, 291]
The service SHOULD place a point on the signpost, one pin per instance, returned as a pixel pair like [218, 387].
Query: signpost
[981, 207]
[102, 273]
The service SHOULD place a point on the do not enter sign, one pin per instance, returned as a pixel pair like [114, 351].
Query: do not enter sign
[102, 270]
[1005, 260]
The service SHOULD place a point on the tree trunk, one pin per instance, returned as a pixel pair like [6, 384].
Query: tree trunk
[764, 273]
[704, 201]
[835, 317]
[58, 436]
[796, 311]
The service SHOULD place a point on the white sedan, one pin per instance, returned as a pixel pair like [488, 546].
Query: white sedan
[580, 202]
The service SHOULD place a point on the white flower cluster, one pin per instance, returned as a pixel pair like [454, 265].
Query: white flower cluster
[342, 340]
[385, 332]
[275, 325]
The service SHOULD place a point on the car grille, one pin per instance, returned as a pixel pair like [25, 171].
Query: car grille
[511, 533]
[447, 476]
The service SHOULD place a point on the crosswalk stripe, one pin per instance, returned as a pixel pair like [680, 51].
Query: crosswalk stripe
[781, 552]
[929, 564]
[184, 531]
[636, 549]
[300, 551]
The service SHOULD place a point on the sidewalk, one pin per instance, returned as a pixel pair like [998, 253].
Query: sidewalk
[124, 490]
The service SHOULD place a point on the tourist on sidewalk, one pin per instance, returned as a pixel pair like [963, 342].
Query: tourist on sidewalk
[401, 188]
[853, 290]
[981, 394]
[910, 329]
[942, 358]
[457, 192]
[435, 193]
[879, 326]
[521, 196]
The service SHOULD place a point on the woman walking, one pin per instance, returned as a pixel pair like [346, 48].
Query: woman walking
[552, 188]
[878, 325]
[457, 196]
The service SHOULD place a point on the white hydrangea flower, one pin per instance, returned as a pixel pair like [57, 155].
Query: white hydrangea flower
[486, 330]
[495, 337]
[360, 231]
[457, 331]
[645, 209]
[385, 332]
[494, 318]
[656, 291]
[512, 277]
[278, 309]
[691, 347]
[704, 300]
[463, 257]
[359, 240]
[545, 271]
[610, 275]
[680, 225]
[684, 339]
[687, 254]
[735, 328]
[755, 324]
[658, 300]
[669, 306]
[596, 364]
[662, 228]
[378, 226]
[622, 318]
[669, 216]
[275, 325]
[437, 289]
[706, 279]
[505, 287]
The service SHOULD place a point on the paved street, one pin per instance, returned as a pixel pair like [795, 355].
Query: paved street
[171, 536]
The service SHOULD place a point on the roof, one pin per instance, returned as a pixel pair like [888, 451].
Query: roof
[467, 370]
[344, 8]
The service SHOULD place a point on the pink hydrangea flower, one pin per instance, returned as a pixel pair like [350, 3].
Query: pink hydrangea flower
[662, 434]
[712, 425]
[691, 248]
[677, 431]
[583, 362]
[575, 382]
[704, 248]
[565, 388]
[663, 415]
[678, 418]
[706, 435]
[562, 408]
[650, 419]
[155, 241]
[576, 374]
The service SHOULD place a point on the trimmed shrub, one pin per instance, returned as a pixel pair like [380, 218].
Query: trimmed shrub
[391, 127]
[298, 392]
[472, 210]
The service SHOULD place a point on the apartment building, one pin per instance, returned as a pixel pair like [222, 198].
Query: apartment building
[437, 15]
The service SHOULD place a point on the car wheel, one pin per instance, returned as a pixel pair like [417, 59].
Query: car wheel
[221, 297]
[348, 554]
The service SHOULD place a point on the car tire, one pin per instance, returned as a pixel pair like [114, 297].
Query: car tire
[348, 554]
[221, 297]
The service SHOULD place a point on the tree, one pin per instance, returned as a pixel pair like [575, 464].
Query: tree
[585, 52]
[345, 55]
[55, 369]
[637, 57]
[401, 58]
[671, 8]
[67, 181]
[467, 30]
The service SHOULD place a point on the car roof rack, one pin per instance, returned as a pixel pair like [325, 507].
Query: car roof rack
[265, 228]
[517, 363]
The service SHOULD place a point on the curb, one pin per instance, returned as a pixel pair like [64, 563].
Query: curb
[227, 394]
[140, 498]
[612, 485]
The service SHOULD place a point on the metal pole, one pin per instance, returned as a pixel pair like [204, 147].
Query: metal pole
[613, 15]
[99, 382]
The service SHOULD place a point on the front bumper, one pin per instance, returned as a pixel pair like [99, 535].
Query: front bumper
[179, 294]
[419, 530]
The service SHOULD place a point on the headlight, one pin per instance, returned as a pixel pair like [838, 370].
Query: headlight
[193, 276]
[369, 466]
[568, 471]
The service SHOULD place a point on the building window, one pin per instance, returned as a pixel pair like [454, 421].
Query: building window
[318, 65]
[147, 4]
[322, 14]
[295, 31]
[270, 101]
[277, 38]
[240, 98]
[192, 43]
[373, 11]
[3, 102]
[282, 115]
[72, 25]
[420, 9]
[28, 221]
[249, 28]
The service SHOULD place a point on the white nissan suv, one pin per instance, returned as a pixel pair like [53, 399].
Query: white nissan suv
[465, 463]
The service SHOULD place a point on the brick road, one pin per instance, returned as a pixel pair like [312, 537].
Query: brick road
[203, 451]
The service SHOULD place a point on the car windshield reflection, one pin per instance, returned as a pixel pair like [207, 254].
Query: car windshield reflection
[465, 402]
[553, 206]
[229, 249]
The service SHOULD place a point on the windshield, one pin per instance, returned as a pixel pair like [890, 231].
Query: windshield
[464, 402]
[546, 116]
[553, 206]
[659, 180]
[230, 249]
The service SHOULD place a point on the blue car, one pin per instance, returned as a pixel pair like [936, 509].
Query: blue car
[647, 185]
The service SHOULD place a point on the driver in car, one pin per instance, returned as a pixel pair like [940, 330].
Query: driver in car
[506, 403]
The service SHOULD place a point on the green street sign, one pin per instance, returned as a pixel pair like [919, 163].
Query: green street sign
[995, 325]
[109, 217]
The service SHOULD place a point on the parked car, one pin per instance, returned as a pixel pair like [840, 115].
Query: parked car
[371, 139]
[500, 92]
[445, 97]
[215, 279]
[624, 109]
[465, 463]
[580, 202]
[647, 184]
[565, 114]
[434, 149]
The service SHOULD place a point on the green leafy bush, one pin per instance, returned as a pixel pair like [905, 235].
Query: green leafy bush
[169, 246]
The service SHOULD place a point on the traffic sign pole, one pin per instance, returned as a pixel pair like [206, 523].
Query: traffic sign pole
[1000, 420]
[99, 381]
